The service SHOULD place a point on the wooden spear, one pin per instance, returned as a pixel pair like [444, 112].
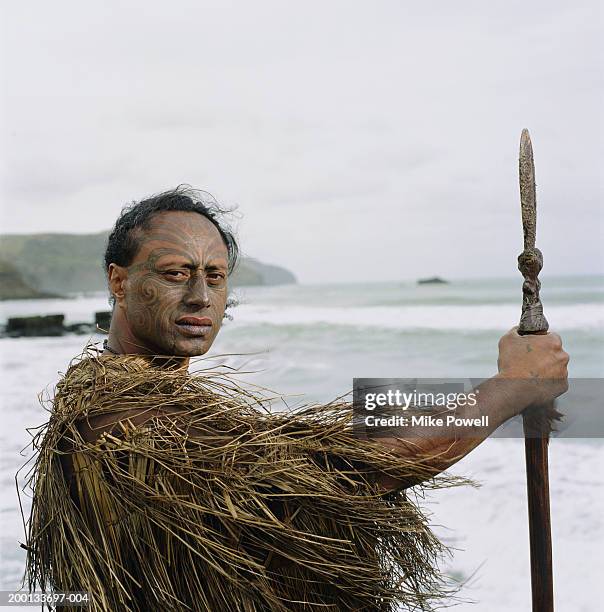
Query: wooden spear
[537, 420]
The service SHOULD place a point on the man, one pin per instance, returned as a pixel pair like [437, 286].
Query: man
[160, 490]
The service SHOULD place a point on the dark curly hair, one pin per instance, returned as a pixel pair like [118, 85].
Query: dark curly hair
[122, 244]
[123, 241]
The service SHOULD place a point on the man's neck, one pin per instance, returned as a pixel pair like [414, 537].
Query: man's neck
[121, 341]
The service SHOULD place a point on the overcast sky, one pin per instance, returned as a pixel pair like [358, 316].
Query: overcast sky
[361, 141]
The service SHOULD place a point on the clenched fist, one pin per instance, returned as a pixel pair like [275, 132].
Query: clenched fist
[538, 358]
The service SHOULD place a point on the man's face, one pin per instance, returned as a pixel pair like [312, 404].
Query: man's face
[176, 288]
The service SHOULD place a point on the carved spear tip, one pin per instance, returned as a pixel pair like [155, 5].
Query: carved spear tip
[526, 147]
[528, 191]
[525, 136]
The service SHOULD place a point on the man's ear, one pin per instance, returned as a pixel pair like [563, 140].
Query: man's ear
[117, 281]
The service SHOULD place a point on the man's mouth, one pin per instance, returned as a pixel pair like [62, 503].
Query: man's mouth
[194, 326]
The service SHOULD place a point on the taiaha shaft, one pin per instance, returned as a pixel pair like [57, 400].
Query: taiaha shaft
[536, 419]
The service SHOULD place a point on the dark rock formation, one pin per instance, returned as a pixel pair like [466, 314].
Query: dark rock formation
[435, 280]
[49, 325]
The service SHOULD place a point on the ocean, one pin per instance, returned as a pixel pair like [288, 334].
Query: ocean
[309, 342]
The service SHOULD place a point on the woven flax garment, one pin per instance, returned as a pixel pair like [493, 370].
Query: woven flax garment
[155, 489]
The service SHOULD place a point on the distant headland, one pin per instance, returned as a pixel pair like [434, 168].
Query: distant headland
[53, 265]
[14, 287]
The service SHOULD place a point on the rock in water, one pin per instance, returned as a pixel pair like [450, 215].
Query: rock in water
[434, 280]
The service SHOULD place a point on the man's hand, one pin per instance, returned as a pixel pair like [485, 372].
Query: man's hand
[537, 358]
[532, 370]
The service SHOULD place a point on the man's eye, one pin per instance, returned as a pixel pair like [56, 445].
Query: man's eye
[215, 276]
[177, 274]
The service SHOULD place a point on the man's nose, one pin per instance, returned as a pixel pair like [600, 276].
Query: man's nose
[198, 294]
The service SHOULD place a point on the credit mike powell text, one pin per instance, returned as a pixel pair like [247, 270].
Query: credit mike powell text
[402, 406]
[408, 407]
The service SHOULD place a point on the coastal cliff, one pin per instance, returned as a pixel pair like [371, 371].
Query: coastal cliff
[72, 263]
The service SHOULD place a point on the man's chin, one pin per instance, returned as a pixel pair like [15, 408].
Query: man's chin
[178, 345]
[191, 347]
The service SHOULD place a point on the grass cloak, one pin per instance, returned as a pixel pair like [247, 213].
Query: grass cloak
[208, 500]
